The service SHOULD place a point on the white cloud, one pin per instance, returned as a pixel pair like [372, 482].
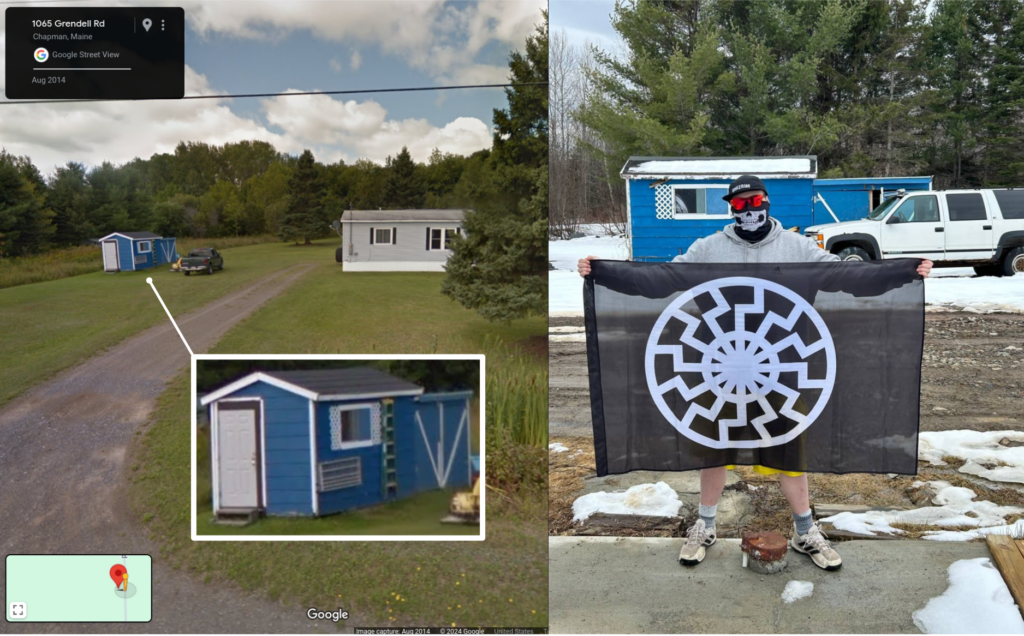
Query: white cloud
[364, 128]
[335, 65]
[357, 60]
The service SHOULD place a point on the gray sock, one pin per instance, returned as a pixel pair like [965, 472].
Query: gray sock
[803, 522]
[707, 513]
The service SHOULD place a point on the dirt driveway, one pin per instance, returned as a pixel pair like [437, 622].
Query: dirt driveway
[62, 468]
[972, 378]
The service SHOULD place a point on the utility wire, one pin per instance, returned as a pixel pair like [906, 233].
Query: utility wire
[351, 92]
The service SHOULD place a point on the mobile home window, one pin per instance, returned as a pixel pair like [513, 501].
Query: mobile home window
[341, 473]
[440, 238]
[697, 201]
[350, 428]
[383, 235]
[145, 246]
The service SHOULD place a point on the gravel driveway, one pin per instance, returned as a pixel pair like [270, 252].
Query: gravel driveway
[62, 450]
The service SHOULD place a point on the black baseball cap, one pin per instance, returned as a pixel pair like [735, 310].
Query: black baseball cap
[746, 183]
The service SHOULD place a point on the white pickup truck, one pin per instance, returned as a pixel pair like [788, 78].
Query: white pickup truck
[983, 229]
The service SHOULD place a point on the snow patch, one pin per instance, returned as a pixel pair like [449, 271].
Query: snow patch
[977, 601]
[952, 505]
[737, 167]
[796, 590]
[655, 500]
[982, 293]
[565, 286]
[556, 447]
[981, 450]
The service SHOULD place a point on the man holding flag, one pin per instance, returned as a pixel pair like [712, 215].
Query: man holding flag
[755, 237]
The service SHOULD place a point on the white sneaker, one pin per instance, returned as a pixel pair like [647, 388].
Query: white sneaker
[816, 545]
[698, 538]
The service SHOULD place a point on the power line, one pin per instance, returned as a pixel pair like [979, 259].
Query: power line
[350, 92]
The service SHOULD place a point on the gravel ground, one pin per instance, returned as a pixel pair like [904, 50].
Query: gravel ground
[65, 483]
[972, 378]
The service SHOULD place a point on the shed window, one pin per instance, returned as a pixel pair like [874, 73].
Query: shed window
[341, 473]
[383, 235]
[698, 201]
[145, 247]
[351, 427]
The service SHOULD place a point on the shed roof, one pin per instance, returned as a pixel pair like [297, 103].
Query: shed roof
[797, 167]
[133, 235]
[445, 214]
[325, 384]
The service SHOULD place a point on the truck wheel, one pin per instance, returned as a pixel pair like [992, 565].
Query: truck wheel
[209, 270]
[989, 270]
[1013, 263]
[188, 273]
[853, 253]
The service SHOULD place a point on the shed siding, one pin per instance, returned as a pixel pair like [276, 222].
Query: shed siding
[406, 434]
[851, 200]
[655, 239]
[430, 416]
[367, 493]
[411, 243]
[287, 449]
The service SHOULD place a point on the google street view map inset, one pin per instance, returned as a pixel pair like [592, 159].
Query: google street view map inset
[79, 588]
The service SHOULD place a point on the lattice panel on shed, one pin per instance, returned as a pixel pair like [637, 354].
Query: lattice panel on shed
[336, 427]
[663, 202]
[375, 423]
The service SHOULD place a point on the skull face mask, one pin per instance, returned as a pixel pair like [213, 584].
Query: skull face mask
[751, 219]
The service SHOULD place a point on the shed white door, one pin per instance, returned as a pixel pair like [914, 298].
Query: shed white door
[236, 447]
[110, 256]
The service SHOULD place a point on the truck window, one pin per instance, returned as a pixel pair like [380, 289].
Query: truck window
[1011, 202]
[966, 206]
[882, 210]
[919, 209]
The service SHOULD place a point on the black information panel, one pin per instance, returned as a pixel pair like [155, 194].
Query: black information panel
[95, 53]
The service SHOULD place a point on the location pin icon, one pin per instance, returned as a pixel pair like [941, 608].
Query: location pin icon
[146, 23]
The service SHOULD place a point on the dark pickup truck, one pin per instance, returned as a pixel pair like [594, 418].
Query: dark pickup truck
[204, 259]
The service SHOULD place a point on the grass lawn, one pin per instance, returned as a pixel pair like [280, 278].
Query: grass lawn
[331, 311]
[502, 581]
[419, 515]
[49, 326]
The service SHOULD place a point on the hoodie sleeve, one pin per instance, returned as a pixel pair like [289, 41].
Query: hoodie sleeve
[815, 254]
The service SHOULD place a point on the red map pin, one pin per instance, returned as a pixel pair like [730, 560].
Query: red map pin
[117, 573]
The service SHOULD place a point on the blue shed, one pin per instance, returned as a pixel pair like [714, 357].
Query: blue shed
[129, 251]
[318, 442]
[837, 200]
[673, 201]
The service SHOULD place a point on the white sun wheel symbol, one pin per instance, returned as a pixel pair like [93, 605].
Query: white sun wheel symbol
[741, 366]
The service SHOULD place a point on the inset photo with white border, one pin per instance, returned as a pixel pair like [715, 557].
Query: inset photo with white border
[338, 447]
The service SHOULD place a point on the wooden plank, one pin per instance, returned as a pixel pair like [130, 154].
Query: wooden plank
[1010, 562]
[599, 524]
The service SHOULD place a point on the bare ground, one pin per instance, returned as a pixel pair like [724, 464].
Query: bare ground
[970, 380]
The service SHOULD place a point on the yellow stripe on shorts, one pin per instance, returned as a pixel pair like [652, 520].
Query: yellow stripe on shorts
[764, 470]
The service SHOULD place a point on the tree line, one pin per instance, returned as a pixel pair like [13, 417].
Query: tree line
[204, 190]
[872, 87]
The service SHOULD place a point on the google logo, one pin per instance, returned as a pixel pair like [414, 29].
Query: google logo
[42, 54]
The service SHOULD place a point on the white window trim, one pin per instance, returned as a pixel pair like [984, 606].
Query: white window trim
[443, 229]
[353, 407]
[391, 236]
[148, 242]
[698, 217]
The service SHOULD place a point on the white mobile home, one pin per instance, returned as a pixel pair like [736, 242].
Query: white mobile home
[398, 240]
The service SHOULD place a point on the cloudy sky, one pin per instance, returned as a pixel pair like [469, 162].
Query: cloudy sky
[258, 47]
[585, 21]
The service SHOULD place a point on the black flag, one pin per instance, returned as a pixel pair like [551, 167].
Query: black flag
[795, 366]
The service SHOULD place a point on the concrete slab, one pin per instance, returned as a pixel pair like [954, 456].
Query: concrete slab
[609, 585]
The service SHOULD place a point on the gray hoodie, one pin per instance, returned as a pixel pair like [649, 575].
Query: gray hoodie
[780, 246]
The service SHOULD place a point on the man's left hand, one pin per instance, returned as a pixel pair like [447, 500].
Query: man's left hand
[924, 268]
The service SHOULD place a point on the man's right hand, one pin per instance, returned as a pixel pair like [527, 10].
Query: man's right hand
[583, 266]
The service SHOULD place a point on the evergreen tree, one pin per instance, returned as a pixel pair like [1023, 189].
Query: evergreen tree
[303, 218]
[26, 224]
[404, 186]
[68, 198]
[1004, 123]
[499, 268]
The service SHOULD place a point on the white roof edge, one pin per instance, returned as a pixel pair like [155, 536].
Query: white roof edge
[366, 396]
[253, 378]
[151, 238]
[388, 221]
[644, 176]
